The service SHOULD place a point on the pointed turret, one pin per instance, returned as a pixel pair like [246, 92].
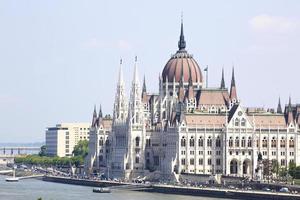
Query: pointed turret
[290, 117]
[135, 104]
[100, 116]
[222, 80]
[279, 109]
[144, 91]
[181, 42]
[120, 105]
[94, 120]
[233, 94]
[190, 94]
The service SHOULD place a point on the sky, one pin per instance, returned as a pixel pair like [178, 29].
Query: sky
[59, 58]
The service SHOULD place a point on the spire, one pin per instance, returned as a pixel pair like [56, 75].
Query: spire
[94, 120]
[181, 42]
[144, 85]
[222, 80]
[233, 78]
[144, 91]
[233, 94]
[120, 80]
[100, 112]
[290, 117]
[279, 109]
[135, 75]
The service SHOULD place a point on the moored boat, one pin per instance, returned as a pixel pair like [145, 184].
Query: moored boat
[101, 190]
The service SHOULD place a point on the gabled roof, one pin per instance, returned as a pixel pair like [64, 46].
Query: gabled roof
[269, 120]
[213, 97]
[209, 120]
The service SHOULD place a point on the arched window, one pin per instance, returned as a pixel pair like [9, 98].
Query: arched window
[265, 142]
[243, 142]
[183, 142]
[237, 142]
[230, 142]
[107, 142]
[243, 122]
[209, 142]
[218, 142]
[291, 143]
[249, 142]
[192, 142]
[137, 141]
[101, 142]
[273, 142]
[237, 122]
[282, 142]
[200, 142]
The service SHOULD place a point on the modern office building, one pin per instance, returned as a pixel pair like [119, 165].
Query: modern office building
[61, 139]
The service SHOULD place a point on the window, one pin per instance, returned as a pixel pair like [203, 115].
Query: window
[291, 153]
[208, 152]
[282, 162]
[192, 142]
[237, 122]
[200, 142]
[282, 142]
[218, 161]
[264, 142]
[148, 142]
[209, 142]
[249, 153]
[218, 142]
[273, 143]
[200, 161]
[192, 152]
[243, 142]
[209, 161]
[230, 142]
[183, 142]
[282, 153]
[273, 153]
[264, 153]
[101, 142]
[192, 161]
[137, 159]
[183, 161]
[291, 143]
[182, 152]
[243, 122]
[237, 142]
[137, 141]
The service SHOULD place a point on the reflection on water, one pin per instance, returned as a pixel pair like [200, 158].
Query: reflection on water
[33, 189]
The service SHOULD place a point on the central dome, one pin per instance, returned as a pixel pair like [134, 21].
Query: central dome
[182, 65]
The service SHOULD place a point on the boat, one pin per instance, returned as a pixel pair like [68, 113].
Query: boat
[101, 190]
[12, 179]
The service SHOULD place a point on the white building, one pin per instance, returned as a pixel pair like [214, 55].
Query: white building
[187, 128]
[61, 139]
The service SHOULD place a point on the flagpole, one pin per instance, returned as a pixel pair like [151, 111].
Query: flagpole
[206, 76]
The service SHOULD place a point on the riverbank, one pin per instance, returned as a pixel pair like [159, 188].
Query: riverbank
[180, 190]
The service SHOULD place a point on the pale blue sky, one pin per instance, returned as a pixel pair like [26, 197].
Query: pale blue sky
[59, 58]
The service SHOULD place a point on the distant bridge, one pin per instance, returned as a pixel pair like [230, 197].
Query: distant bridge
[19, 150]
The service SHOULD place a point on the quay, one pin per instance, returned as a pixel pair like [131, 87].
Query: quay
[178, 190]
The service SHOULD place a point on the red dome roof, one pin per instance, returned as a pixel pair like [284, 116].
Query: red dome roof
[183, 65]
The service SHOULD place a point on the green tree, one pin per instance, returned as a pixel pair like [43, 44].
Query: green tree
[292, 169]
[43, 151]
[81, 149]
[275, 167]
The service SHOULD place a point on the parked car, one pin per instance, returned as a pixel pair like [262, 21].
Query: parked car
[284, 189]
[266, 189]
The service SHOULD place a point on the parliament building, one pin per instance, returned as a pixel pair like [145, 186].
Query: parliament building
[189, 128]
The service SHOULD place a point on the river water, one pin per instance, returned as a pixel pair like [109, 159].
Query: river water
[31, 189]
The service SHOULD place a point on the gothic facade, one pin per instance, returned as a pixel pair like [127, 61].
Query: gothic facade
[189, 128]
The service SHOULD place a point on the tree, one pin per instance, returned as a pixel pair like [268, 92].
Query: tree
[292, 169]
[275, 167]
[259, 157]
[43, 151]
[81, 149]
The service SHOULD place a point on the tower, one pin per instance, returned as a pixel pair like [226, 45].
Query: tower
[222, 80]
[233, 94]
[121, 104]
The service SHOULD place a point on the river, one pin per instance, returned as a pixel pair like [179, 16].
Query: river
[32, 189]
